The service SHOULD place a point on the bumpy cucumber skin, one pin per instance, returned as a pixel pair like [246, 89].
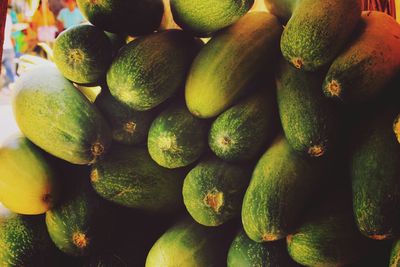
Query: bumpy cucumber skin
[129, 177]
[203, 17]
[282, 184]
[177, 138]
[236, 54]
[309, 120]
[150, 69]
[213, 191]
[70, 127]
[364, 69]
[318, 30]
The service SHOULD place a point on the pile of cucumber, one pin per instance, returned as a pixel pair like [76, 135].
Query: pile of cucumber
[243, 138]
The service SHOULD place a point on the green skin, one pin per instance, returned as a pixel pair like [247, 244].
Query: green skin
[131, 178]
[133, 17]
[213, 191]
[281, 8]
[236, 54]
[318, 30]
[375, 174]
[152, 68]
[128, 126]
[282, 185]
[204, 17]
[363, 70]
[177, 138]
[244, 252]
[83, 54]
[308, 118]
[242, 131]
[70, 128]
[395, 254]
[188, 244]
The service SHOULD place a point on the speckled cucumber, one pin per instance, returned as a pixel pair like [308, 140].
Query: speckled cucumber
[177, 138]
[318, 30]
[83, 54]
[213, 191]
[129, 177]
[282, 185]
[242, 132]
[55, 116]
[237, 54]
[203, 17]
[395, 254]
[375, 174]
[309, 120]
[244, 252]
[363, 70]
[150, 69]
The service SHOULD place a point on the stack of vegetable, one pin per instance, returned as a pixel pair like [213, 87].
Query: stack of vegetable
[269, 145]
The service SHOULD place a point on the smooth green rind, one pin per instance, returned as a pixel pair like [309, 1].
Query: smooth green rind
[27, 181]
[395, 254]
[308, 118]
[367, 65]
[282, 185]
[244, 252]
[152, 68]
[188, 244]
[203, 17]
[318, 31]
[242, 131]
[176, 138]
[375, 174]
[129, 177]
[128, 126]
[133, 17]
[229, 61]
[213, 191]
[56, 117]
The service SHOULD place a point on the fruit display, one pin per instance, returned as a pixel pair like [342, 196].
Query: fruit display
[238, 138]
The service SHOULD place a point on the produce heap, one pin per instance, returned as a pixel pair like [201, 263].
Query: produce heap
[268, 145]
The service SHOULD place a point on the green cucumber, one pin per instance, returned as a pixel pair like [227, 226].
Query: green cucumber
[395, 254]
[229, 61]
[213, 191]
[56, 117]
[177, 138]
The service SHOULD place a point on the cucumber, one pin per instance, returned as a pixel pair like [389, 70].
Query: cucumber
[237, 54]
[395, 254]
[83, 54]
[282, 185]
[203, 17]
[29, 184]
[282, 8]
[309, 120]
[176, 138]
[213, 191]
[69, 126]
[364, 69]
[129, 177]
[117, 41]
[150, 69]
[242, 131]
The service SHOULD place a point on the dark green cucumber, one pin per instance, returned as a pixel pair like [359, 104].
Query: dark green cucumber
[229, 61]
[133, 17]
[117, 41]
[364, 69]
[282, 185]
[318, 30]
[128, 126]
[308, 118]
[128, 176]
[395, 254]
[177, 138]
[203, 17]
[213, 191]
[150, 69]
[83, 54]
[375, 173]
[55, 116]
[244, 252]
[242, 132]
